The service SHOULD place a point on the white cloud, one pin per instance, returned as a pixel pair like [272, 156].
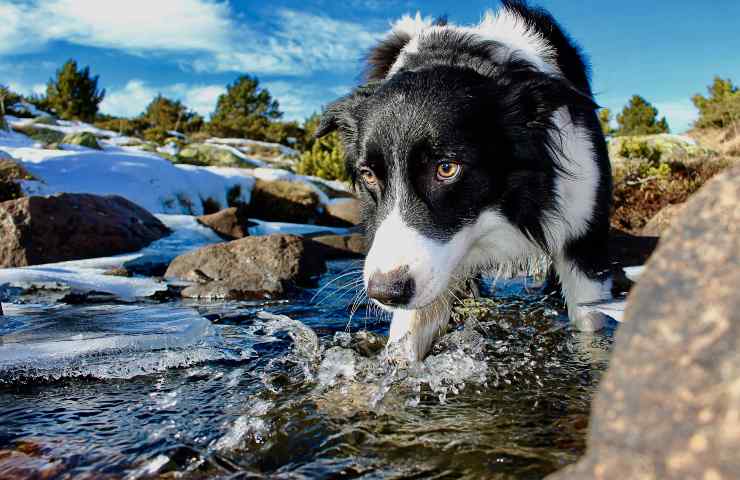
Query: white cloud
[299, 101]
[134, 25]
[206, 33]
[132, 99]
[681, 114]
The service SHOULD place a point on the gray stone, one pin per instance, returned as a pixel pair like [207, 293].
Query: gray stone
[669, 405]
[248, 268]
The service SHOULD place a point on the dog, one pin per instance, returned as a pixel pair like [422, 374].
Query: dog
[471, 148]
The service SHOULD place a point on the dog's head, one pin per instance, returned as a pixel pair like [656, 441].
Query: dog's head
[444, 156]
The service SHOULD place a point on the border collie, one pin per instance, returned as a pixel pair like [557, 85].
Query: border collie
[472, 148]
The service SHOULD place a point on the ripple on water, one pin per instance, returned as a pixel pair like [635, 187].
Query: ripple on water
[505, 394]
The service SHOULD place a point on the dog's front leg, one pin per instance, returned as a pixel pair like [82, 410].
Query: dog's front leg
[580, 289]
[413, 332]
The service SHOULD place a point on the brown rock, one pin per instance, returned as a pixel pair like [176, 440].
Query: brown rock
[341, 246]
[282, 201]
[35, 230]
[252, 267]
[662, 220]
[229, 223]
[343, 213]
[669, 405]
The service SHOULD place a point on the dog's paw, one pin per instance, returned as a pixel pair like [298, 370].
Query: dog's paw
[590, 320]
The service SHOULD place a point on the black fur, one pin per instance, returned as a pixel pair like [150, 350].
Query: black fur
[463, 99]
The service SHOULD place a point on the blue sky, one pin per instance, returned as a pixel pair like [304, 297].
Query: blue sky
[309, 52]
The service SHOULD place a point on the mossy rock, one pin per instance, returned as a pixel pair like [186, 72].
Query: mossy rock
[210, 155]
[282, 201]
[45, 120]
[42, 135]
[662, 147]
[83, 139]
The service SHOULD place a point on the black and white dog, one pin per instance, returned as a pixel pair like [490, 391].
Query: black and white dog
[475, 147]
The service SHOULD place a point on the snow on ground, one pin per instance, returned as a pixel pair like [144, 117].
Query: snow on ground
[144, 178]
[89, 274]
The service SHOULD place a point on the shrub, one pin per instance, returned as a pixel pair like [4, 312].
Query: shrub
[637, 148]
[605, 118]
[124, 126]
[7, 99]
[721, 108]
[74, 94]
[639, 117]
[325, 159]
[156, 134]
[244, 111]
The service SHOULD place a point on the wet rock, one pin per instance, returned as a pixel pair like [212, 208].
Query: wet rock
[251, 267]
[342, 213]
[283, 201]
[83, 139]
[229, 223]
[662, 220]
[70, 226]
[28, 461]
[669, 405]
[341, 246]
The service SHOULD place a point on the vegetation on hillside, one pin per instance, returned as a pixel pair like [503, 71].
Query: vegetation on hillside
[73, 94]
[721, 108]
[639, 117]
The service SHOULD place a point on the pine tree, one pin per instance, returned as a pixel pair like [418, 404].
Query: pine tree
[171, 115]
[639, 117]
[74, 94]
[244, 111]
[605, 118]
[721, 108]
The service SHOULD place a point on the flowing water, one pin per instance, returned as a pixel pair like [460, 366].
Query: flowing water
[225, 390]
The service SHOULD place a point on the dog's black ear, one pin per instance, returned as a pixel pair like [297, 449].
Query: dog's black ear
[538, 95]
[343, 113]
[382, 57]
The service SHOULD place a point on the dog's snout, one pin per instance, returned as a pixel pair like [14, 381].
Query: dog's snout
[392, 288]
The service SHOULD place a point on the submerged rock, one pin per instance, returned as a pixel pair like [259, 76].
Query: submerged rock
[252, 267]
[669, 405]
[71, 226]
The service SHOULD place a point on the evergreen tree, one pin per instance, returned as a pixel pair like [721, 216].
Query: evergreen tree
[639, 117]
[168, 115]
[74, 94]
[605, 118]
[244, 111]
[721, 108]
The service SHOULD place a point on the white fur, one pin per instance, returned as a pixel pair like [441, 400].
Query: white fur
[501, 26]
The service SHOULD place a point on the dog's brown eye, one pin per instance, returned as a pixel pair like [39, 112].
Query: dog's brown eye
[448, 170]
[368, 177]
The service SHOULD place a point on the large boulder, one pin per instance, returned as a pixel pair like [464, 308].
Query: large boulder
[249, 268]
[45, 136]
[212, 155]
[83, 139]
[662, 220]
[669, 405]
[36, 230]
[283, 201]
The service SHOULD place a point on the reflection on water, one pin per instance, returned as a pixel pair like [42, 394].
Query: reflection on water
[218, 390]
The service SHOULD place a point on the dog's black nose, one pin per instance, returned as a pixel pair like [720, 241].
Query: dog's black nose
[393, 288]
